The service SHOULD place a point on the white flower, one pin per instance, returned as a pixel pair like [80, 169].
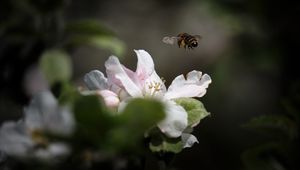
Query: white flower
[145, 82]
[26, 138]
[45, 114]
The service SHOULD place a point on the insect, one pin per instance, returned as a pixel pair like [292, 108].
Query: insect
[183, 40]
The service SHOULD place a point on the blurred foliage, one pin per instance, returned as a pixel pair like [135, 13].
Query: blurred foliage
[56, 66]
[140, 115]
[280, 151]
[30, 27]
[91, 32]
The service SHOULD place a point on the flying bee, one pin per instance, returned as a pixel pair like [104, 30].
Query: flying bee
[183, 40]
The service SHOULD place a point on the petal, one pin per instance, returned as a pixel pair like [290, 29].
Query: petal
[194, 76]
[95, 80]
[133, 76]
[44, 113]
[188, 140]
[175, 121]
[41, 104]
[14, 139]
[194, 86]
[145, 65]
[61, 121]
[117, 75]
[111, 99]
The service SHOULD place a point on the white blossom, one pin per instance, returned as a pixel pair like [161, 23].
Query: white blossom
[27, 138]
[144, 82]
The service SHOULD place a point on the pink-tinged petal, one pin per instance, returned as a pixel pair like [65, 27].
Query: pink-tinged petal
[188, 140]
[95, 80]
[175, 121]
[145, 65]
[194, 86]
[133, 76]
[111, 99]
[117, 75]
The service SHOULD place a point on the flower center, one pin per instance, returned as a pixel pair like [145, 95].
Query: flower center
[154, 87]
[39, 138]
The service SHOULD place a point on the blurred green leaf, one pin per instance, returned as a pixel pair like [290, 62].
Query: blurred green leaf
[143, 113]
[88, 27]
[56, 66]
[161, 143]
[107, 42]
[173, 145]
[277, 125]
[194, 108]
[93, 120]
[93, 33]
[139, 116]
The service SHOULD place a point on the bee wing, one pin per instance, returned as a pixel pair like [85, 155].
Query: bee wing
[198, 37]
[170, 40]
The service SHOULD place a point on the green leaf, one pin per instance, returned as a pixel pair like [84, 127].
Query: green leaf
[161, 143]
[170, 145]
[139, 116]
[93, 33]
[107, 42]
[93, 120]
[143, 113]
[194, 108]
[56, 66]
[88, 27]
[276, 125]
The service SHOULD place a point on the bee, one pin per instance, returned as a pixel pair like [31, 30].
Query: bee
[183, 40]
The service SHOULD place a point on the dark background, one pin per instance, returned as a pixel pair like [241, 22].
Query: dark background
[249, 48]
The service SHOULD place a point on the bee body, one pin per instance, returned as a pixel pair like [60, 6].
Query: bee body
[183, 40]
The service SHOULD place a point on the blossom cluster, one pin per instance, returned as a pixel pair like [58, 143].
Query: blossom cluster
[46, 123]
[123, 84]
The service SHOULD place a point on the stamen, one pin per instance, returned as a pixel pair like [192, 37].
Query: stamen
[39, 138]
[154, 87]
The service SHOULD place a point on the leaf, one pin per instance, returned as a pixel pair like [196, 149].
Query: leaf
[93, 33]
[194, 108]
[143, 113]
[171, 145]
[56, 66]
[93, 120]
[139, 116]
[161, 143]
[278, 125]
[88, 27]
[107, 42]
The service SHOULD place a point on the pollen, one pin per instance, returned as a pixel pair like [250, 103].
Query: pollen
[154, 87]
[38, 137]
